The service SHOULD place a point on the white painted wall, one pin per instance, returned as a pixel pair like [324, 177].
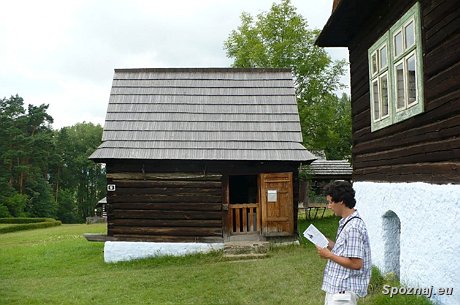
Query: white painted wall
[430, 231]
[117, 251]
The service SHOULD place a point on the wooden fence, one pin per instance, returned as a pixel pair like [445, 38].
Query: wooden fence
[244, 217]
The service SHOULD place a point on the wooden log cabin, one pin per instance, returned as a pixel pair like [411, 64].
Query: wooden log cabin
[405, 94]
[320, 173]
[201, 155]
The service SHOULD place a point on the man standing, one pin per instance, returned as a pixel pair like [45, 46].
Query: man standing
[348, 269]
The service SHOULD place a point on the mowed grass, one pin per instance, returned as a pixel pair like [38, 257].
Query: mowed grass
[58, 266]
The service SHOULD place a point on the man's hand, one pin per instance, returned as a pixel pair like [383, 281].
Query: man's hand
[324, 252]
[347, 262]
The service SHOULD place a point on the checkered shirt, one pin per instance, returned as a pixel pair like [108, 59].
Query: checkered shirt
[353, 241]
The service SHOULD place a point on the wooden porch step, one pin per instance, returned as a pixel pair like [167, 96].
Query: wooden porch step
[100, 237]
[240, 257]
[249, 237]
[246, 249]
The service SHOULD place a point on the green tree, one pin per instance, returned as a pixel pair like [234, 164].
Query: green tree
[78, 183]
[67, 207]
[25, 141]
[12, 142]
[41, 203]
[10, 139]
[16, 204]
[281, 38]
[43, 172]
[327, 126]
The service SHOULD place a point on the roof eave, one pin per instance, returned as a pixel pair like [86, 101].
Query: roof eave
[344, 21]
[306, 159]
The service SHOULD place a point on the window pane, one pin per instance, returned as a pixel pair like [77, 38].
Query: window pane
[398, 43]
[384, 94]
[411, 90]
[383, 57]
[400, 86]
[374, 63]
[375, 91]
[410, 35]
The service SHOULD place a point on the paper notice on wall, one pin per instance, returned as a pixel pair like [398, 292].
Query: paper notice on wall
[315, 236]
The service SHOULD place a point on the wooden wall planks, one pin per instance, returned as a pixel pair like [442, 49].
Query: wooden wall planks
[425, 147]
[173, 200]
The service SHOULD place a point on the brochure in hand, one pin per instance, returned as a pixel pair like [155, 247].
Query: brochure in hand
[315, 236]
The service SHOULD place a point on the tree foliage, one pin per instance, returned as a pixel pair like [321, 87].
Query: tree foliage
[85, 178]
[44, 172]
[326, 126]
[281, 38]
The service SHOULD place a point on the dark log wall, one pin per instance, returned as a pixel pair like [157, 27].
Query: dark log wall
[425, 147]
[165, 207]
[175, 200]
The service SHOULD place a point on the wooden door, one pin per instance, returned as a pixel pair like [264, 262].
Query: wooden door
[277, 204]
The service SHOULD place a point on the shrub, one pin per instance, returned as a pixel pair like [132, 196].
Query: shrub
[16, 204]
[19, 224]
[377, 281]
[21, 220]
[4, 212]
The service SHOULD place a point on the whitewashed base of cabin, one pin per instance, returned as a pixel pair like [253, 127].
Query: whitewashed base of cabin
[118, 251]
[428, 253]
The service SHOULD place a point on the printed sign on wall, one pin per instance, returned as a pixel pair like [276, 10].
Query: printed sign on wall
[272, 196]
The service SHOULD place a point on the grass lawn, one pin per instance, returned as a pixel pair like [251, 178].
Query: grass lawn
[58, 266]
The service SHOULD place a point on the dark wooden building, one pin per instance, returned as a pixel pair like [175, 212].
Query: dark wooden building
[327, 170]
[321, 172]
[405, 94]
[201, 154]
[317, 175]
[405, 103]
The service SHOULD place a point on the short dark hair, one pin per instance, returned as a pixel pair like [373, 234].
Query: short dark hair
[341, 191]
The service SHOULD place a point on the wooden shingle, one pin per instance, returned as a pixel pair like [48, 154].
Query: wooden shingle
[202, 114]
[334, 169]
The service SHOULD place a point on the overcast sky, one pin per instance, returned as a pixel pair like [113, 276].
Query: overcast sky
[63, 53]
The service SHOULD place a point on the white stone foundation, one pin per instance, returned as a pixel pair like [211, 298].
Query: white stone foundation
[429, 245]
[117, 251]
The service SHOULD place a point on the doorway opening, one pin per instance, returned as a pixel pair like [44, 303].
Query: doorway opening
[244, 207]
[243, 189]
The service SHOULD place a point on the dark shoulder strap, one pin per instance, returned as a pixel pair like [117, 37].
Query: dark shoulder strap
[347, 222]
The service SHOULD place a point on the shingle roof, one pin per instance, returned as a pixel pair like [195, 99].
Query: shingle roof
[202, 114]
[331, 168]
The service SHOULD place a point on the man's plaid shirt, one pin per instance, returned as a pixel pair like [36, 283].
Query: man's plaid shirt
[352, 241]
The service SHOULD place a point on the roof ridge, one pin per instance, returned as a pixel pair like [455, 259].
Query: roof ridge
[210, 69]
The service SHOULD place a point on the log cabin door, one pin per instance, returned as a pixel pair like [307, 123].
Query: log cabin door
[277, 204]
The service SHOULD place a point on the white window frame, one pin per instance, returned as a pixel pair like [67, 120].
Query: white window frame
[395, 114]
[379, 120]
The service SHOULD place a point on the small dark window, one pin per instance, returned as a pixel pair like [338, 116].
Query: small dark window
[243, 189]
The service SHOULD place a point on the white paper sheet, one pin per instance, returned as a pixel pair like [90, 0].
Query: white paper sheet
[315, 236]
